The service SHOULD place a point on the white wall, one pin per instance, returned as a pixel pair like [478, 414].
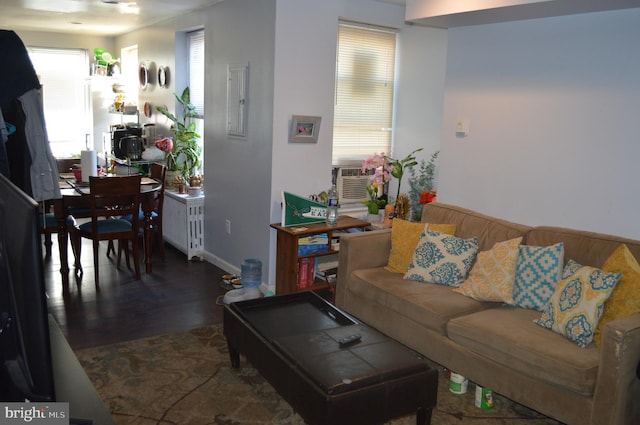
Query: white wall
[291, 62]
[290, 46]
[419, 94]
[237, 170]
[156, 47]
[306, 36]
[553, 109]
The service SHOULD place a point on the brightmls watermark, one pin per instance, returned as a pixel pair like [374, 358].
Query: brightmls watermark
[34, 413]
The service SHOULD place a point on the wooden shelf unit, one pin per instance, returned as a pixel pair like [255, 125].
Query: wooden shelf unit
[287, 250]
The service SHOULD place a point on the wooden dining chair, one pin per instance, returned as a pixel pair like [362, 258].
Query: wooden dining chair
[157, 172]
[111, 198]
[48, 226]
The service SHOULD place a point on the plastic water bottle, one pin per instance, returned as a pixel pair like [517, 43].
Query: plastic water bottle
[332, 201]
[251, 273]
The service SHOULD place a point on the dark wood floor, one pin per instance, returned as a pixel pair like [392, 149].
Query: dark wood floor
[178, 295]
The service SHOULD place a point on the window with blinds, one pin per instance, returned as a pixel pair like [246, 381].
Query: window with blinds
[363, 110]
[196, 70]
[195, 47]
[66, 97]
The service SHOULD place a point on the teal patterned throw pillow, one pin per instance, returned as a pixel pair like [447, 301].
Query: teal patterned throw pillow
[576, 306]
[538, 270]
[441, 258]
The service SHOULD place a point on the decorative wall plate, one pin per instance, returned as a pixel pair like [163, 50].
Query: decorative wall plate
[163, 77]
[147, 109]
[143, 75]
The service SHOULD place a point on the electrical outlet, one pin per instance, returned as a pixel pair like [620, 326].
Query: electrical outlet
[227, 224]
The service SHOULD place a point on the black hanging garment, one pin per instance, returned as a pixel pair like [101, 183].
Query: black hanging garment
[25, 155]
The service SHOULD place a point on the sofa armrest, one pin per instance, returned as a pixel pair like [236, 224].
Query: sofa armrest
[618, 388]
[360, 251]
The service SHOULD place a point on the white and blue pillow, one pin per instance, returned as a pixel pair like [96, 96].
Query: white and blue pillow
[577, 304]
[441, 258]
[538, 271]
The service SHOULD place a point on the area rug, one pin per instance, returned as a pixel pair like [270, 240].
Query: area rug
[186, 379]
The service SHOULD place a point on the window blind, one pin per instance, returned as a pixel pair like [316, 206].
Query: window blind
[63, 74]
[363, 110]
[196, 70]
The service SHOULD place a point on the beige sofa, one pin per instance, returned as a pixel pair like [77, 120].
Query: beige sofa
[494, 345]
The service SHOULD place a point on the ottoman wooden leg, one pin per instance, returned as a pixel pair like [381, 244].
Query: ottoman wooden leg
[234, 355]
[423, 416]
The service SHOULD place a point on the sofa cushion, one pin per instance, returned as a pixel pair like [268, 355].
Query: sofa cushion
[625, 299]
[575, 307]
[428, 304]
[589, 248]
[491, 277]
[537, 272]
[404, 239]
[509, 336]
[441, 258]
[469, 223]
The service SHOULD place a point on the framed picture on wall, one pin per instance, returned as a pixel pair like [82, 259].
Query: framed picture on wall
[304, 129]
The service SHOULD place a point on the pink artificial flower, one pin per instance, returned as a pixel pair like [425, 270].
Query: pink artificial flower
[382, 170]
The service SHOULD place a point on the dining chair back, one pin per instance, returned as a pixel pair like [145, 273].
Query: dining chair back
[158, 172]
[111, 198]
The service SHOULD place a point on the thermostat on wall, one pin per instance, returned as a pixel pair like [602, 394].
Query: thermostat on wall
[462, 127]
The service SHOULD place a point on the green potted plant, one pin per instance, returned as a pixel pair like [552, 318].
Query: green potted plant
[185, 155]
[422, 185]
[399, 166]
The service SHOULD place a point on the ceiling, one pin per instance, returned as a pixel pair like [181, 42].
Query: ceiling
[115, 17]
[449, 13]
[95, 17]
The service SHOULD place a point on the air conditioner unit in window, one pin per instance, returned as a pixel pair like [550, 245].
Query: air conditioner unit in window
[352, 184]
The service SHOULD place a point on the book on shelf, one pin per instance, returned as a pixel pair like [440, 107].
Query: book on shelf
[312, 249]
[329, 275]
[320, 238]
[313, 244]
[306, 272]
[326, 268]
[323, 266]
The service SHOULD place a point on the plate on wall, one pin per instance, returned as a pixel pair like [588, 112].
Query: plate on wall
[147, 109]
[163, 76]
[143, 75]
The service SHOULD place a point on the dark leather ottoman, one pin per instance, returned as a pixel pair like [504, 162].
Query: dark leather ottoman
[292, 340]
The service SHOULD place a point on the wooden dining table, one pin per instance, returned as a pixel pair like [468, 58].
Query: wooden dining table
[76, 195]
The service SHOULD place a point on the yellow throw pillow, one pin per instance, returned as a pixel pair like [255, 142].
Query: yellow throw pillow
[625, 299]
[404, 240]
[491, 277]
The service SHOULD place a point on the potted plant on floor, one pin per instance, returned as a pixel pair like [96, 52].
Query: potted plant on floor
[184, 157]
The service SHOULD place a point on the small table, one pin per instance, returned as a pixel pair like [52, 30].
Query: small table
[292, 340]
[288, 257]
